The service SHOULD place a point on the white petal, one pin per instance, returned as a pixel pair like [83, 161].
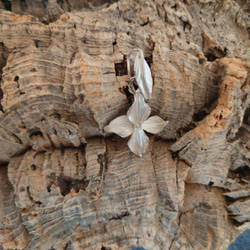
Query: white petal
[139, 111]
[154, 125]
[121, 126]
[143, 75]
[138, 142]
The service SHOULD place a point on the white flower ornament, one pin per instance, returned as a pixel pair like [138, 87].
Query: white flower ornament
[137, 119]
[134, 123]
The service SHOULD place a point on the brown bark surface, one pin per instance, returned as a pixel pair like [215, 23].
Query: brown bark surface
[64, 184]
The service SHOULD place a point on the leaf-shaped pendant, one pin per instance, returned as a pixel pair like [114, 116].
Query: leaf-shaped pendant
[142, 73]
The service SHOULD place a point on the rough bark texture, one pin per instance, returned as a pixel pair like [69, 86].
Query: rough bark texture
[63, 77]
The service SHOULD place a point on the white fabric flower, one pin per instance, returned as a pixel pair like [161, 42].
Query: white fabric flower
[134, 123]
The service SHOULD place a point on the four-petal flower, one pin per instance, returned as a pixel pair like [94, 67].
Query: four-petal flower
[134, 123]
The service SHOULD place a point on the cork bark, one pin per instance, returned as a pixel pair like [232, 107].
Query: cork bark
[64, 183]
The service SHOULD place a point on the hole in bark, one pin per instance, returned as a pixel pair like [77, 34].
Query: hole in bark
[149, 60]
[145, 23]
[211, 50]
[66, 183]
[130, 96]
[114, 43]
[33, 70]
[174, 7]
[7, 4]
[51, 180]
[68, 246]
[72, 57]
[122, 90]
[187, 25]
[105, 248]
[186, 129]
[246, 118]
[24, 5]
[36, 42]
[45, 3]
[210, 57]
[248, 30]
[16, 78]
[102, 161]
[62, 150]
[45, 22]
[81, 98]
[199, 116]
[36, 133]
[120, 216]
[211, 183]
[56, 116]
[121, 68]
[54, 131]
[242, 172]
[33, 167]
[79, 184]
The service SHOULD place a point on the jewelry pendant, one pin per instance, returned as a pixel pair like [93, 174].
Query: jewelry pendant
[136, 121]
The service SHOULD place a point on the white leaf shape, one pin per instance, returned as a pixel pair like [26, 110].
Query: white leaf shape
[138, 142]
[139, 111]
[143, 75]
[120, 126]
[154, 125]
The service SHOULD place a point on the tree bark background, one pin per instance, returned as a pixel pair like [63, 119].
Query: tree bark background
[67, 185]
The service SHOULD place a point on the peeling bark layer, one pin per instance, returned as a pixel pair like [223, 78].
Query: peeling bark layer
[63, 77]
